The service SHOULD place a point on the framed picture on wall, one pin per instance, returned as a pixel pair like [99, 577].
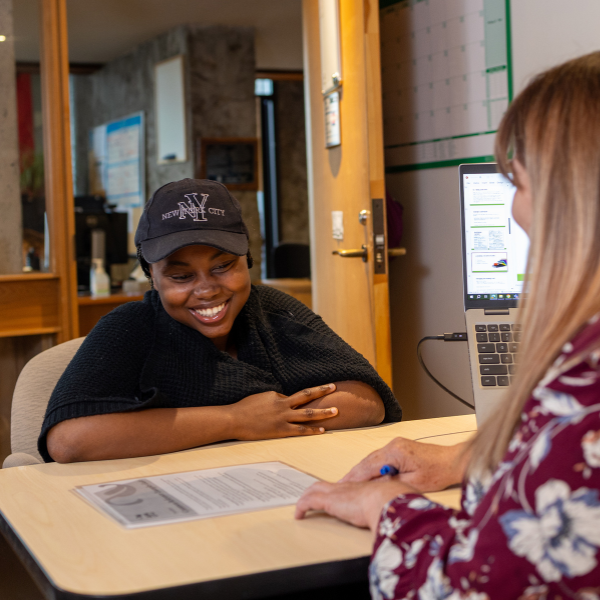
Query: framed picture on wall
[230, 161]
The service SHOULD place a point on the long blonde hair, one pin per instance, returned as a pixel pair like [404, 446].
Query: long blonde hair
[553, 129]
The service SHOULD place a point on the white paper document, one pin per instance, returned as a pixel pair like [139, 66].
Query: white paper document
[198, 494]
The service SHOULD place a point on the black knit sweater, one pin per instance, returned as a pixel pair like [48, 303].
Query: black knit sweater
[139, 357]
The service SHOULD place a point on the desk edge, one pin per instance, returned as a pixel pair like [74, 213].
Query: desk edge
[252, 586]
[37, 573]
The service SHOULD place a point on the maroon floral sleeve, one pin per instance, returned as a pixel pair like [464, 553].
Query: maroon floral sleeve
[530, 530]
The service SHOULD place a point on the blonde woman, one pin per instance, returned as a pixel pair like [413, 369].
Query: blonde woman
[529, 526]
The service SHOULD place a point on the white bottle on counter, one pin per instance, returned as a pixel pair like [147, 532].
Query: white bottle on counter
[99, 279]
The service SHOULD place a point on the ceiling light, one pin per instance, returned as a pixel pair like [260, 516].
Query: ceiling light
[2, 38]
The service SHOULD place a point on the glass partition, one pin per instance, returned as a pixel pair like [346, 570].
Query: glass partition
[29, 150]
[153, 90]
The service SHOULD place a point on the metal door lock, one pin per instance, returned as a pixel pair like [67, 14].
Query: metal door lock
[379, 235]
[396, 252]
[363, 215]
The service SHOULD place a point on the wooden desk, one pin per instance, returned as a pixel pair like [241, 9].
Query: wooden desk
[73, 551]
[91, 310]
[301, 289]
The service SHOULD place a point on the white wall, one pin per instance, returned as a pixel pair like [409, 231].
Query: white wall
[548, 32]
[426, 285]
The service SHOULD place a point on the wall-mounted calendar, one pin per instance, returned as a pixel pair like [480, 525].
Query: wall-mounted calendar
[446, 80]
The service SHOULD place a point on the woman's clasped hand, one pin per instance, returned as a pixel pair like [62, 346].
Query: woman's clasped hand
[272, 415]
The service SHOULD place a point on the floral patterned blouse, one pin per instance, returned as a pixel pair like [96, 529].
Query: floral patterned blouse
[530, 530]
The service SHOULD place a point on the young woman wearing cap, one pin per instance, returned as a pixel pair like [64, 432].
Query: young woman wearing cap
[206, 356]
[529, 527]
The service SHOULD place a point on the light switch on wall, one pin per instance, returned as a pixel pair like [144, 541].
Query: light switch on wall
[337, 221]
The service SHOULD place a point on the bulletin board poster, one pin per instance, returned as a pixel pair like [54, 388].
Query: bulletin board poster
[446, 80]
[117, 161]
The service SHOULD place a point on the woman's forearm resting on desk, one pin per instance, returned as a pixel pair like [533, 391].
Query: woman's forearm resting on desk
[260, 416]
[358, 404]
[358, 503]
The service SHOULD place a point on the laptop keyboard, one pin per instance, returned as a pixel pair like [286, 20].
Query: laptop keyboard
[497, 348]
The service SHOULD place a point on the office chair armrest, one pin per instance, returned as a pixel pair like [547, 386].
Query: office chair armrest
[20, 459]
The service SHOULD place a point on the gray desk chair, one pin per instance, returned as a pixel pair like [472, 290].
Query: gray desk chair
[30, 399]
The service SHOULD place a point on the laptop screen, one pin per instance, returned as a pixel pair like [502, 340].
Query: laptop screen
[494, 246]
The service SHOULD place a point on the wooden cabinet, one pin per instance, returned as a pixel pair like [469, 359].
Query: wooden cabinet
[91, 310]
[301, 289]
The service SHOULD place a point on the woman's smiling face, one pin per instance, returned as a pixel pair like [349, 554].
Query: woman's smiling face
[203, 288]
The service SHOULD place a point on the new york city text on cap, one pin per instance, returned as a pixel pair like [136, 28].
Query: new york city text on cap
[189, 212]
[194, 208]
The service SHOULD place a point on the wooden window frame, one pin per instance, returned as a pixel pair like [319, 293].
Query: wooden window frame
[201, 160]
[46, 303]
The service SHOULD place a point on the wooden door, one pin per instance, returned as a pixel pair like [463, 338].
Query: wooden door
[347, 293]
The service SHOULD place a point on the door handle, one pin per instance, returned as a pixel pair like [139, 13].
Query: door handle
[363, 253]
[396, 252]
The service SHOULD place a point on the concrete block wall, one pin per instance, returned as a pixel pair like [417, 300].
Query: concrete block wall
[222, 66]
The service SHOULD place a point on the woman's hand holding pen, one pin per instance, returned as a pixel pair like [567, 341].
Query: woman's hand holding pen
[426, 467]
[359, 497]
[271, 415]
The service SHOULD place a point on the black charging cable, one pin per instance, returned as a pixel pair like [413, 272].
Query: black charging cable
[447, 337]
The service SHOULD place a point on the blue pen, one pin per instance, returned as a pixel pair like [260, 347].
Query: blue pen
[388, 470]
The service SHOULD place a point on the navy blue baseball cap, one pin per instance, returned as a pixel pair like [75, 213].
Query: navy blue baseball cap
[189, 212]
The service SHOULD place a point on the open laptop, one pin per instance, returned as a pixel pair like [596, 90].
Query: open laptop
[494, 257]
